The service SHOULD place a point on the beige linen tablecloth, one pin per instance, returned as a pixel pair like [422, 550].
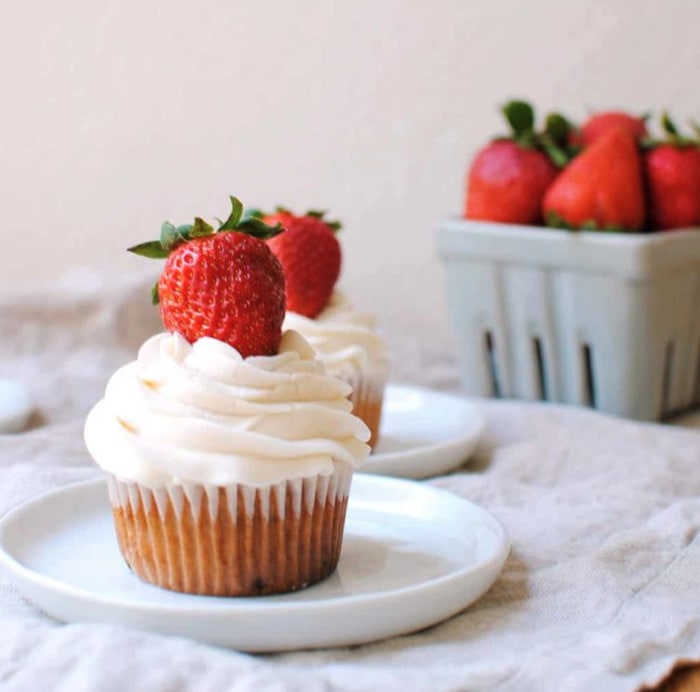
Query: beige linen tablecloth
[601, 590]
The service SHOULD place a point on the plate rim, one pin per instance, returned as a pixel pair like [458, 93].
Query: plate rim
[472, 437]
[219, 606]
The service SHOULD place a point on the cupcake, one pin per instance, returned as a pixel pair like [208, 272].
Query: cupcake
[343, 338]
[346, 342]
[229, 450]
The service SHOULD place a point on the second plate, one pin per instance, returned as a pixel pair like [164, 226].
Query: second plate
[424, 433]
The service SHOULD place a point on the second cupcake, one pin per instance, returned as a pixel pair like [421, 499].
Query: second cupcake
[343, 338]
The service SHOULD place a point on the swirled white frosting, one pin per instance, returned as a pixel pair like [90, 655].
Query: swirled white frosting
[202, 413]
[343, 338]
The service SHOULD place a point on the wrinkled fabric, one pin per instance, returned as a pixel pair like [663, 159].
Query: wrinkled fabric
[600, 591]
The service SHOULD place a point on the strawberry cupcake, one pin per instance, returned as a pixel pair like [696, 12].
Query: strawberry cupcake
[344, 339]
[229, 450]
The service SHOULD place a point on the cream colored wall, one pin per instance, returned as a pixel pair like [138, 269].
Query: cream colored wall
[117, 115]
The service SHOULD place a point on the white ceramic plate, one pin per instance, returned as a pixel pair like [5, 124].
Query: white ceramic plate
[424, 433]
[412, 556]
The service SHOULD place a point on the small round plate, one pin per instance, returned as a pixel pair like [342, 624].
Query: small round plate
[424, 433]
[15, 406]
[412, 556]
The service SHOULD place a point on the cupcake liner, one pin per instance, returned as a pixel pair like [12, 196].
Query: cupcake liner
[236, 540]
[367, 399]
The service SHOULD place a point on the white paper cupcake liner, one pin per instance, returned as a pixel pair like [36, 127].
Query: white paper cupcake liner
[235, 540]
[368, 398]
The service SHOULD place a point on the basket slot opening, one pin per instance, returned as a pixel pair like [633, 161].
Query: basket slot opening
[540, 369]
[588, 376]
[492, 360]
[666, 384]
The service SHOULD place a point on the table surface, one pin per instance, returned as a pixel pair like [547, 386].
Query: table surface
[686, 676]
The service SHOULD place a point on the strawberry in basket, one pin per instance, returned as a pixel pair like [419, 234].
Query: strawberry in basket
[600, 123]
[601, 189]
[509, 176]
[673, 179]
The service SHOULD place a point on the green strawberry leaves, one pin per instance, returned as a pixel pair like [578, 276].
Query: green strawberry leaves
[171, 236]
[520, 116]
[234, 217]
[152, 249]
[557, 127]
[553, 140]
[668, 125]
[200, 229]
[319, 214]
[335, 226]
[673, 135]
[253, 214]
[554, 220]
[258, 228]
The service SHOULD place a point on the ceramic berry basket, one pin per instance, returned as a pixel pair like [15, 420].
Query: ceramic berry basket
[607, 320]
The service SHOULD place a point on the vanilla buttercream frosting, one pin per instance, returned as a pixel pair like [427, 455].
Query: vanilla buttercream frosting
[202, 413]
[343, 337]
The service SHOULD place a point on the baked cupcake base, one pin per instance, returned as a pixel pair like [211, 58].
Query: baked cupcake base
[367, 400]
[236, 540]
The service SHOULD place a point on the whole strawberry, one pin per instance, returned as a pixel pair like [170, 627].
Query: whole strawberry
[310, 256]
[673, 180]
[509, 176]
[601, 189]
[223, 283]
[599, 123]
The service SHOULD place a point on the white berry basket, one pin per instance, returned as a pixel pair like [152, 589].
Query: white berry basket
[606, 320]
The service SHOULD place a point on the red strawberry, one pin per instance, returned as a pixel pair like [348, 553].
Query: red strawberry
[310, 255]
[673, 180]
[509, 176]
[600, 123]
[222, 283]
[600, 189]
[506, 183]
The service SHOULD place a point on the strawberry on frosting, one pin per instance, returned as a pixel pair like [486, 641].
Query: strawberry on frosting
[223, 283]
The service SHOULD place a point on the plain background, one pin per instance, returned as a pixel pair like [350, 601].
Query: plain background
[118, 115]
